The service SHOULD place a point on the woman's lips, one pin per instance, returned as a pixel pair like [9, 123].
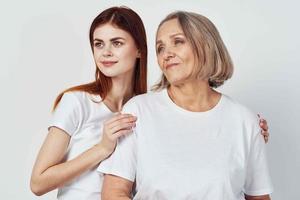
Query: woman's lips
[171, 65]
[108, 63]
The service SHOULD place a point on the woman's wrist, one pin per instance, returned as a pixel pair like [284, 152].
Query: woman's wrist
[101, 151]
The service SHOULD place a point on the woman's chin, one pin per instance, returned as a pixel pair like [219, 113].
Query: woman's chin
[111, 73]
[176, 80]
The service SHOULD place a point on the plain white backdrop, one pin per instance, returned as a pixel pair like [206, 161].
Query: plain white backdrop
[44, 49]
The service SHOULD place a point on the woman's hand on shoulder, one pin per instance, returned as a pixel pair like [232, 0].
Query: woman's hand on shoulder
[264, 128]
[117, 126]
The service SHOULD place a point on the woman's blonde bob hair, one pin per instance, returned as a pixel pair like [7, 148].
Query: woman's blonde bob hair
[213, 60]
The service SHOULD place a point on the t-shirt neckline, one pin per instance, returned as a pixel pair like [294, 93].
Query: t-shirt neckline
[97, 98]
[188, 112]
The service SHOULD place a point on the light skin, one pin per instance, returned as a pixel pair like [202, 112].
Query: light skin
[176, 60]
[115, 54]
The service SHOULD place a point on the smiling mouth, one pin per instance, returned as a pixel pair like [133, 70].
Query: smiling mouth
[108, 63]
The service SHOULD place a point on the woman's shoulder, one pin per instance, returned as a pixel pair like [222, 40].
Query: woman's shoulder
[147, 96]
[87, 104]
[239, 109]
[82, 97]
[143, 101]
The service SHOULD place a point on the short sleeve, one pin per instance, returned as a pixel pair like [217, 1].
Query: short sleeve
[123, 160]
[258, 181]
[67, 114]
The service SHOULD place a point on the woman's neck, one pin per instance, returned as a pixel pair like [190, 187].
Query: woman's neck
[194, 95]
[121, 91]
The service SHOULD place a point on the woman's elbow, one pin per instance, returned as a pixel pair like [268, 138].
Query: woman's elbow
[36, 188]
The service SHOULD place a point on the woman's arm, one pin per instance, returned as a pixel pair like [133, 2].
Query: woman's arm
[51, 172]
[263, 197]
[116, 188]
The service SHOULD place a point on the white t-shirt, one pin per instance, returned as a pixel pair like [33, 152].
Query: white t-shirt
[178, 154]
[81, 115]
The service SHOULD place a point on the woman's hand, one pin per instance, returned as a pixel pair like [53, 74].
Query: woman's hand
[264, 128]
[117, 126]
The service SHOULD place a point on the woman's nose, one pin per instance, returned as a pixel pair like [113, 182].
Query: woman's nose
[168, 53]
[107, 51]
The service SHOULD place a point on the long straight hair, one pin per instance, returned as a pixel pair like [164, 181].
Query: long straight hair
[129, 21]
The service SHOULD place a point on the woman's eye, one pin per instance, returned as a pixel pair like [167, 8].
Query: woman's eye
[98, 44]
[117, 43]
[178, 41]
[160, 49]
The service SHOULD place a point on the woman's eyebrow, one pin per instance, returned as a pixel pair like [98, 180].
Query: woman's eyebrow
[112, 39]
[117, 38]
[176, 34]
[158, 42]
[98, 40]
[171, 36]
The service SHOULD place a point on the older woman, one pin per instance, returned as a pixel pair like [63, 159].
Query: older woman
[190, 141]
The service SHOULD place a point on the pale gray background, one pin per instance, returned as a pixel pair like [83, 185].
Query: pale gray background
[44, 49]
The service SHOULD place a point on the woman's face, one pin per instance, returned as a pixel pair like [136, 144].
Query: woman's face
[174, 53]
[115, 52]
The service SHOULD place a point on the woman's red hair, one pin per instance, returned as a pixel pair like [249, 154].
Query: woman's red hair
[129, 21]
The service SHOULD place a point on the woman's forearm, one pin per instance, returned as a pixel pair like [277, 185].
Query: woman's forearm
[57, 175]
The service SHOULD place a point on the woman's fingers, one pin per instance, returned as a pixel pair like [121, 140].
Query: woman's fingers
[266, 138]
[265, 133]
[263, 124]
[127, 120]
[118, 123]
[121, 133]
[122, 126]
[117, 117]
[265, 128]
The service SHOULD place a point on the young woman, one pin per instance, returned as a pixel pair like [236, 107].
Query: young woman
[190, 141]
[86, 122]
